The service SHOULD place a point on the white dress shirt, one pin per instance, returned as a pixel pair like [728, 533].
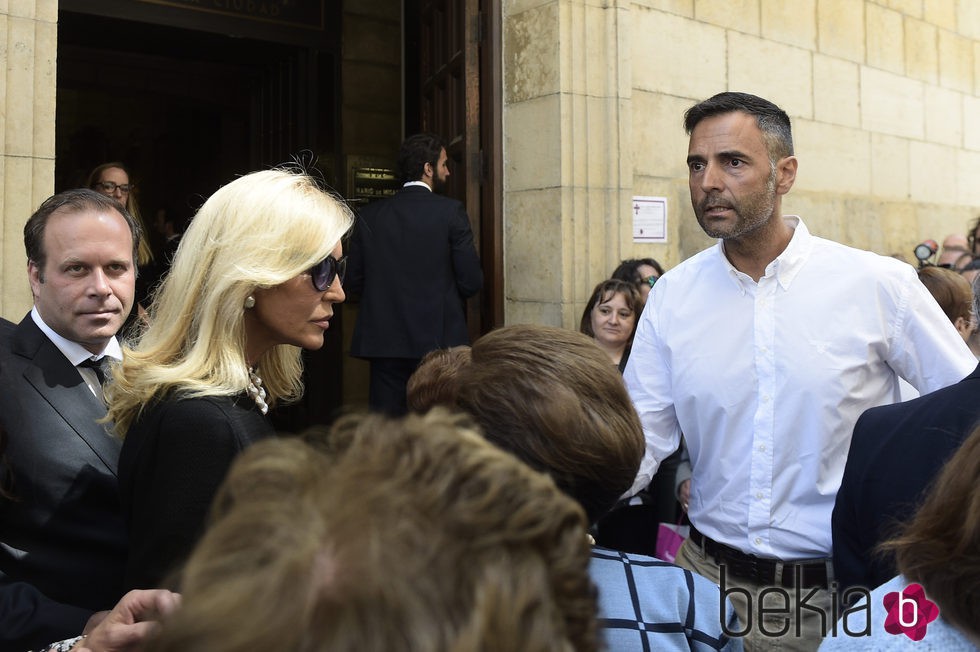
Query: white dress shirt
[77, 354]
[766, 381]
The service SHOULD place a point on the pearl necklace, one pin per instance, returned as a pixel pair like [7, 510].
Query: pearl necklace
[256, 391]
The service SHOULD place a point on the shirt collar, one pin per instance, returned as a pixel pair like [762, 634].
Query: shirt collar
[75, 352]
[417, 183]
[786, 265]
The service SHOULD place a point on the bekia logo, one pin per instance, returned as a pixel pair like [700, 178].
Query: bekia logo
[781, 612]
[909, 612]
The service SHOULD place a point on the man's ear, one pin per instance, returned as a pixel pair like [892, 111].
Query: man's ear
[34, 277]
[785, 174]
[427, 171]
[964, 326]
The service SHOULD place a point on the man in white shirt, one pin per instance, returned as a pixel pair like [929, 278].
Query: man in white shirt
[763, 350]
[63, 534]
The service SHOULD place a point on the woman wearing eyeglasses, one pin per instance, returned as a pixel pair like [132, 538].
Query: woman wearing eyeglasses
[113, 180]
[642, 272]
[255, 280]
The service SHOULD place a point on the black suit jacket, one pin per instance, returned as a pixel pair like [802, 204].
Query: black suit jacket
[62, 531]
[896, 452]
[29, 620]
[413, 262]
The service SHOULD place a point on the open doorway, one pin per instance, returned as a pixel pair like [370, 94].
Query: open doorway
[189, 110]
[189, 117]
[192, 94]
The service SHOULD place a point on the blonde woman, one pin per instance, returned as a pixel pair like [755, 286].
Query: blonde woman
[255, 279]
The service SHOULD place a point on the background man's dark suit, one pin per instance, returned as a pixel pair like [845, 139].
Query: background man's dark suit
[413, 262]
[896, 452]
[63, 531]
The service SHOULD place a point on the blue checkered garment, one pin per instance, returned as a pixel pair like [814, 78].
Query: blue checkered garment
[940, 635]
[648, 604]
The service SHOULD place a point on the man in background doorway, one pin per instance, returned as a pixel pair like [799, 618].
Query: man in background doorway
[413, 263]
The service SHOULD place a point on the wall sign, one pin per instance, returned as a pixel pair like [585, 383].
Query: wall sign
[649, 219]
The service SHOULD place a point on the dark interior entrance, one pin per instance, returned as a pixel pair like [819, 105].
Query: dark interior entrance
[188, 106]
[187, 109]
[190, 94]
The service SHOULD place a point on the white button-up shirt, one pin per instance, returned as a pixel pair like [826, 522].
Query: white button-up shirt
[767, 379]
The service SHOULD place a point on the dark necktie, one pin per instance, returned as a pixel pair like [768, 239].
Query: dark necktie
[99, 366]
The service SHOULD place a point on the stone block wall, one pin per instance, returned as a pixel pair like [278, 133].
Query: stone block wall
[28, 45]
[883, 94]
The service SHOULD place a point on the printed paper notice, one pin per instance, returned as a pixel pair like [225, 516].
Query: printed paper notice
[649, 219]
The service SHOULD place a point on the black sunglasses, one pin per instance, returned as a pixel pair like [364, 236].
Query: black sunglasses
[324, 272]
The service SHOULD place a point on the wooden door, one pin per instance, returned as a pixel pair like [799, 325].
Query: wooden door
[452, 36]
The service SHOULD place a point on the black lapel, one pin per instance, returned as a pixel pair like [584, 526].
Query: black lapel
[60, 384]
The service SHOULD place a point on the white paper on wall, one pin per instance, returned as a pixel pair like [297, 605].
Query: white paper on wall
[649, 219]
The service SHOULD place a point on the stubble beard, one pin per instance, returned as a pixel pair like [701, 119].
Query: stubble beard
[751, 213]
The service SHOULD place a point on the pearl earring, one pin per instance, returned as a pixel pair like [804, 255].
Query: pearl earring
[249, 302]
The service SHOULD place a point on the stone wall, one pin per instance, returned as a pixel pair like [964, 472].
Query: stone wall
[883, 97]
[28, 43]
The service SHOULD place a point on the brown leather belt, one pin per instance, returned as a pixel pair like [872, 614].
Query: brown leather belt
[761, 570]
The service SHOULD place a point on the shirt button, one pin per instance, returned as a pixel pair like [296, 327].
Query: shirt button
[765, 398]
[762, 447]
[758, 541]
[759, 495]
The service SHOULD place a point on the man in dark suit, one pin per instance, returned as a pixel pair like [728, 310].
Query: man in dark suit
[896, 452]
[414, 263]
[62, 528]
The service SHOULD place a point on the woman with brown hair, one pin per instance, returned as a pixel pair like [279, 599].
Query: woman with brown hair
[642, 272]
[610, 318]
[550, 397]
[953, 294]
[114, 180]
